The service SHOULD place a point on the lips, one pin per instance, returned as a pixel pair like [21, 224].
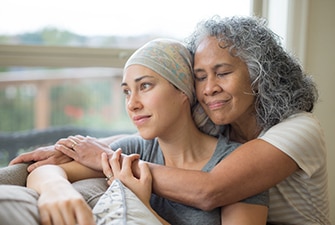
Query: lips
[214, 105]
[140, 119]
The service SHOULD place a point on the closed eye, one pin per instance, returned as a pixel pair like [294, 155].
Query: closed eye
[223, 74]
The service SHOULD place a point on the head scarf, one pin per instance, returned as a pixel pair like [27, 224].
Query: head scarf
[170, 59]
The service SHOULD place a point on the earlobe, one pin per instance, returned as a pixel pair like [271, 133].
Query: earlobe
[184, 96]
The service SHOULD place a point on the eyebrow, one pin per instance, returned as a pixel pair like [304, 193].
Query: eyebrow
[137, 79]
[214, 67]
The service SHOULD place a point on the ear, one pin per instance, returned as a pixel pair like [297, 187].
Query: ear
[184, 96]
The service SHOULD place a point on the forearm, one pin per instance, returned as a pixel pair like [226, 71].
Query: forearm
[183, 186]
[65, 173]
[43, 177]
[56, 192]
[249, 170]
[76, 171]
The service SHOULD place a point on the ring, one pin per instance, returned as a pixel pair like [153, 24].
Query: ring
[109, 177]
[73, 143]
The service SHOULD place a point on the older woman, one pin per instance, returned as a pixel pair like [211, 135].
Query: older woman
[246, 81]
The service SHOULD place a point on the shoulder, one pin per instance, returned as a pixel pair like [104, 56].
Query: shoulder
[301, 125]
[133, 144]
[223, 148]
[301, 137]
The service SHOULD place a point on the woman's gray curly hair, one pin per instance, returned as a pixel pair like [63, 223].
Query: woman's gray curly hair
[281, 87]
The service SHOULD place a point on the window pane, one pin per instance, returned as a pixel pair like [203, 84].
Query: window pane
[105, 18]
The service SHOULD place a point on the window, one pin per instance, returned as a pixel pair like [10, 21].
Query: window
[69, 71]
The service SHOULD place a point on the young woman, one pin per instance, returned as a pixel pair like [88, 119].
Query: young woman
[158, 84]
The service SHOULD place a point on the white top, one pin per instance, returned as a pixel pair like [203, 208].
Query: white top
[302, 198]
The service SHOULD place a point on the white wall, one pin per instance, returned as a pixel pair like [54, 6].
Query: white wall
[320, 62]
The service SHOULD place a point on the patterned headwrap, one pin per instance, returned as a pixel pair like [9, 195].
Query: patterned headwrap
[170, 59]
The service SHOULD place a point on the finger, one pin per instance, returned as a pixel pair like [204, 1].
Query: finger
[72, 142]
[51, 216]
[62, 141]
[70, 215]
[24, 157]
[89, 137]
[114, 162]
[66, 150]
[19, 159]
[67, 142]
[84, 215]
[44, 217]
[79, 137]
[33, 166]
[127, 162]
[106, 168]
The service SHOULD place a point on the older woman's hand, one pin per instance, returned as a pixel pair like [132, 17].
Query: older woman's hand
[41, 156]
[85, 150]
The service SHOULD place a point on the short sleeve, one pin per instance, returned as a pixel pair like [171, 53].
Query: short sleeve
[299, 136]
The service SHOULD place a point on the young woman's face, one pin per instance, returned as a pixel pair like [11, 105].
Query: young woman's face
[222, 84]
[152, 103]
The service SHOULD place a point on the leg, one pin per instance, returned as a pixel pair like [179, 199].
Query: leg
[91, 189]
[18, 205]
[14, 175]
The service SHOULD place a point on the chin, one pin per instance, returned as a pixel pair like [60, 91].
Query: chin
[220, 121]
[146, 135]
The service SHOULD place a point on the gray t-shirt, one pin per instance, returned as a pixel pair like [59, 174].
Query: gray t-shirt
[176, 213]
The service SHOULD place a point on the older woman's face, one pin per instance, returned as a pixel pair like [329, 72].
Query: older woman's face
[222, 84]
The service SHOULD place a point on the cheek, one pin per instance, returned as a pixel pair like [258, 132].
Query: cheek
[198, 91]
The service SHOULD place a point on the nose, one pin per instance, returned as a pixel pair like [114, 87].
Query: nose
[133, 102]
[211, 86]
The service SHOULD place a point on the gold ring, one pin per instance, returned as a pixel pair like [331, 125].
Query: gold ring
[109, 177]
[73, 143]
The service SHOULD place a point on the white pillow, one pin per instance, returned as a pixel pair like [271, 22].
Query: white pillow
[119, 205]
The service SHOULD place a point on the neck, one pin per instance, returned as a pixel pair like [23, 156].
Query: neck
[187, 147]
[245, 131]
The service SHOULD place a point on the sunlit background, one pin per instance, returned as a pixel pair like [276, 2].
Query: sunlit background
[105, 17]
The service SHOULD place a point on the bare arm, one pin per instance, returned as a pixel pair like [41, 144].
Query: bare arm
[244, 214]
[41, 156]
[59, 202]
[76, 171]
[50, 155]
[252, 168]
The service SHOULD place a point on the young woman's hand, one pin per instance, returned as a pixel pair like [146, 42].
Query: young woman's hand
[121, 168]
[63, 205]
[59, 203]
